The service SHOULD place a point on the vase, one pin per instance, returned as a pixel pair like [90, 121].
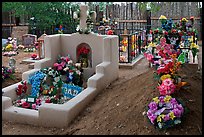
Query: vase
[84, 62]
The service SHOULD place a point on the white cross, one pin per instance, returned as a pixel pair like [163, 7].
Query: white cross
[83, 16]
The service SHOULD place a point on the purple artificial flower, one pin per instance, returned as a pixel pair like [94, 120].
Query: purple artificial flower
[177, 112]
[153, 106]
[151, 116]
[166, 117]
[161, 98]
[173, 101]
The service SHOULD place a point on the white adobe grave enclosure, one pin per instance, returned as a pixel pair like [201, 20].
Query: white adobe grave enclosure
[104, 50]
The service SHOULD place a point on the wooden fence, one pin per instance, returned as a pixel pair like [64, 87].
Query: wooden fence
[132, 18]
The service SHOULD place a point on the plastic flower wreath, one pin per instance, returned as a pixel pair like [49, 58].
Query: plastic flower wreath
[165, 112]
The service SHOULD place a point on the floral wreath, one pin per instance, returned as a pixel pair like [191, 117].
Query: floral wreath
[165, 112]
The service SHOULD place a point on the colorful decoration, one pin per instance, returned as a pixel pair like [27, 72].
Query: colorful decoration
[165, 112]
[70, 91]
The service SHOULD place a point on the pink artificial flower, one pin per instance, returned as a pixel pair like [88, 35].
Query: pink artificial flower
[149, 57]
[59, 67]
[33, 106]
[167, 82]
[63, 63]
[56, 64]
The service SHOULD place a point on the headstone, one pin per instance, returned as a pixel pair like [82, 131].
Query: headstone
[29, 40]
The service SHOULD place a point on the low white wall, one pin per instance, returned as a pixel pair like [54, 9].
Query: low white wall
[105, 67]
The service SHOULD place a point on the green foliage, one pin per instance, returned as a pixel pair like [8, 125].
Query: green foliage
[47, 14]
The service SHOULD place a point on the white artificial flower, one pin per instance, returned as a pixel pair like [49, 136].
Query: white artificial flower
[50, 73]
[65, 69]
[78, 64]
[70, 62]
[57, 79]
[78, 72]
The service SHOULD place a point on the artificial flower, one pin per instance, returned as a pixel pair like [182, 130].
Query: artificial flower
[171, 115]
[167, 98]
[156, 99]
[163, 77]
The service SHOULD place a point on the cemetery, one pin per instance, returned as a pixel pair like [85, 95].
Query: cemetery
[111, 72]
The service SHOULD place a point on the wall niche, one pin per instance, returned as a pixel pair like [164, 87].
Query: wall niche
[84, 55]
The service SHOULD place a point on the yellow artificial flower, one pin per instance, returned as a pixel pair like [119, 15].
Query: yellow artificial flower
[163, 77]
[152, 44]
[162, 115]
[171, 115]
[156, 99]
[184, 20]
[159, 118]
[9, 47]
[193, 45]
[162, 17]
[190, 39]
[167, 98]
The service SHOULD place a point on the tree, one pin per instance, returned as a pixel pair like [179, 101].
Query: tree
[46, 14]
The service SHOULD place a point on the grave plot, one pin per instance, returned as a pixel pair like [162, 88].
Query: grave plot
[98, 56]
[168, 51]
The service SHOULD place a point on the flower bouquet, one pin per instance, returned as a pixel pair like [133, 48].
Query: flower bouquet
[83, 54]
[194, 49]
[7, 72]
[165, 112]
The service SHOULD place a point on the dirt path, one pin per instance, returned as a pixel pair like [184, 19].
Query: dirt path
[119, 108]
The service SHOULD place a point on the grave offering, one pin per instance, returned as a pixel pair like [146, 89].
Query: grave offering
[56, 84]
[165, 112]
[10, 47]
[166, 53]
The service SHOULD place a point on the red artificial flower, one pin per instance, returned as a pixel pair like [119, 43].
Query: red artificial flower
[181, 33]
[165, 33]
[132, 53]
[34, 56]
[156, 31]
[192, 18]
[48, 101]
[60, 27]
[173, 31]
[25, 105]
[110, 32]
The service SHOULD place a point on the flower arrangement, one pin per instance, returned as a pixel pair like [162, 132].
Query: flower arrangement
[9, 47]
[82, 54]
[35, 81]
[7, 72]
[22, 88]
[194, 49]
[165, 112]
[60, 29]
[10, 53]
